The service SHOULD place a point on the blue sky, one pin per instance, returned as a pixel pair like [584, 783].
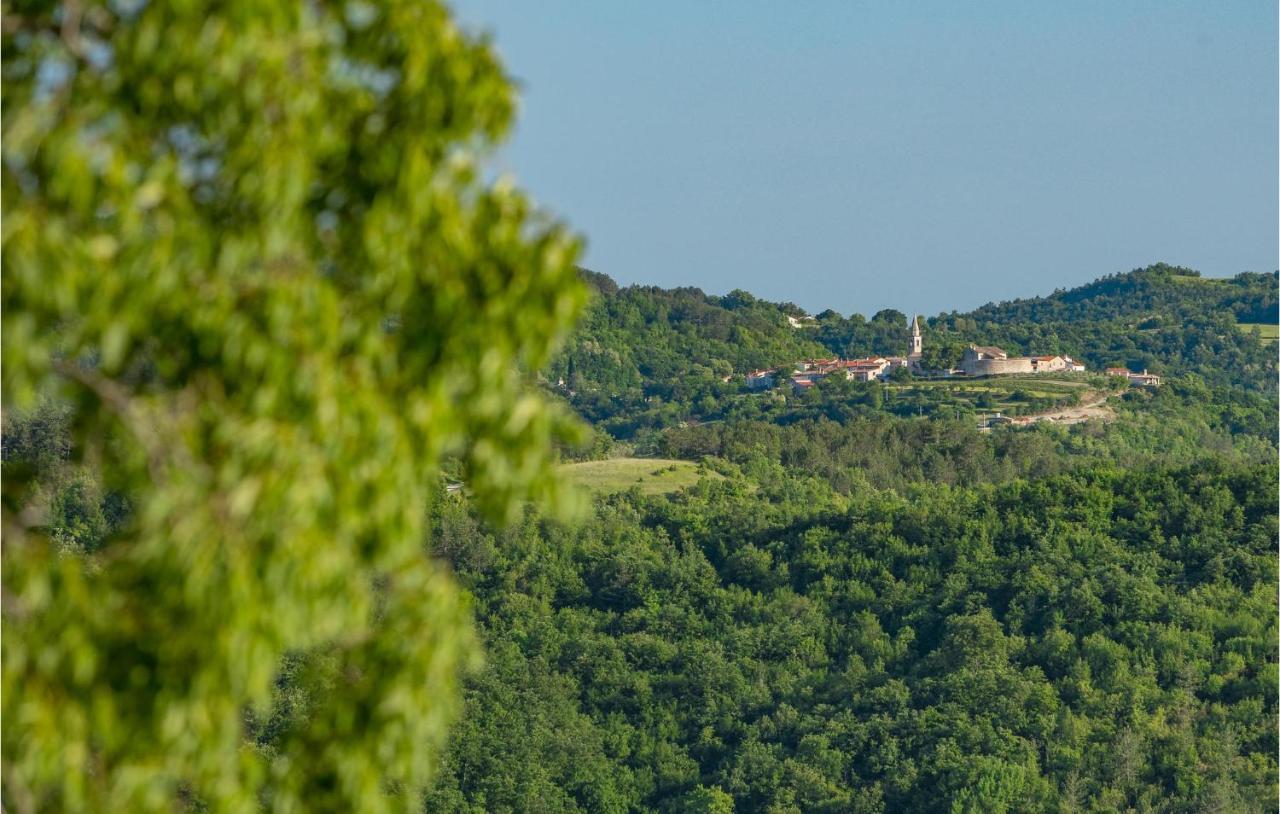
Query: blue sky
[925, 156]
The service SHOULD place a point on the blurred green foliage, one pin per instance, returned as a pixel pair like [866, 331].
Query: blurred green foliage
[250, 245]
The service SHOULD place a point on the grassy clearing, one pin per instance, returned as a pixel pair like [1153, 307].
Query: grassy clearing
[1268, 333]
[1001, 389]
[653, 476]
[1012, 395]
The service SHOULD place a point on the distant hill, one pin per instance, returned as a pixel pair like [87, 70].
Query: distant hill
[1165, 318]
[648, 336]
[641, 344]
[1162, 291]
[646, 342]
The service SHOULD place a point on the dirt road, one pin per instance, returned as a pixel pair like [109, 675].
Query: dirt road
[1095, 407]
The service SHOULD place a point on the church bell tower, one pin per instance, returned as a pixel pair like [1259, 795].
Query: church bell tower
[917, 342]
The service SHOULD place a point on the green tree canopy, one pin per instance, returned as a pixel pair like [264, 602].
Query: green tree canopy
[251, 244]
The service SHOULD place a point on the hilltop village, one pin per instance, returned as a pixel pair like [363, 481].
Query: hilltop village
[978, 360]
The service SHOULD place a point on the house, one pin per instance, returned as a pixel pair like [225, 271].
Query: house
[1073, 365]
[803, 321]
[803, 381]
[866, 370]
[870, 368]
[1049, 364]
[1143, 379]
[994, 421]
[810, 371]
[817, 364]
[760, 379]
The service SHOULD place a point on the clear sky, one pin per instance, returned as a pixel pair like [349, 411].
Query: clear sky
[926, 156]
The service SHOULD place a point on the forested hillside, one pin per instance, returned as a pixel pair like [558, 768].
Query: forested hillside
[645, 359]
[645, 354]
[1161, 291]
[1165, 318]
[1102, 641]
[864, 602]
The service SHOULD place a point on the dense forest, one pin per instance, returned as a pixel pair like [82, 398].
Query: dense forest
[1100, 641]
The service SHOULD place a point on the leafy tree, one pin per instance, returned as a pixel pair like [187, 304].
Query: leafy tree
[249, 243]
[703, 800]
[890, 316]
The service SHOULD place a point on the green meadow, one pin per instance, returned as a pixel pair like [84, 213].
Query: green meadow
[1268, 333]
[653, 476]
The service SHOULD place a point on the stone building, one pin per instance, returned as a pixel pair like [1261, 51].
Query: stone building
[980, 360]
[915, 357]
[1050, 364]
[988, 360]
[1143, 379]
[760, 379]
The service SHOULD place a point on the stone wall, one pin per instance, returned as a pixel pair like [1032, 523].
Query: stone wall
[997, 367]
